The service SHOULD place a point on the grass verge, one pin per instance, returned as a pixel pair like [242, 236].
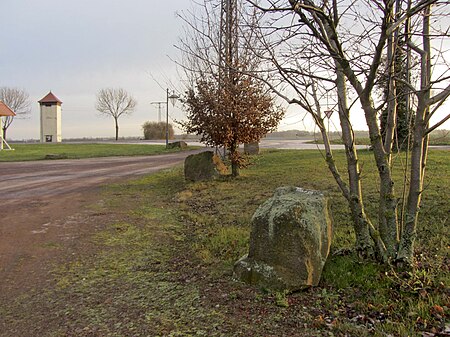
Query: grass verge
[26, 152]
[163, 266]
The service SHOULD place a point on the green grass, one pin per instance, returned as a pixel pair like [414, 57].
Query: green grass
[233, 202]
[25, 152]
[364, 286]
[163, 265]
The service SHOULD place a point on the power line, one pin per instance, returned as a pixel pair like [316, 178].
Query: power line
[159, 109]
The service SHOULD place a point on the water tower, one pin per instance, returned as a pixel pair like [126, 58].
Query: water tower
[50, 119]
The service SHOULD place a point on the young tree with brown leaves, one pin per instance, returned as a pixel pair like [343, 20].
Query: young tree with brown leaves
[228, 114]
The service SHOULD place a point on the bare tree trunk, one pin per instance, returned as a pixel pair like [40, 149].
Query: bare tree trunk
[364, 229]
[4, 132]
[386, 237]
[387, 224]
[388, 221]
[406, 248]
[419, 149]
[391, 96]
[360, 221]
[329, 158]
[418, 162]
[117, 128]
[326, 142]
[388, 204]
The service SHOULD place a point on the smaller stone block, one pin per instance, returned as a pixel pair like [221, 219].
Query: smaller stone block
[251, 148]
[177, 145]
[56, 156]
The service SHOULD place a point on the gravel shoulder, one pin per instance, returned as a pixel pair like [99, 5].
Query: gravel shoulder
[49, 206]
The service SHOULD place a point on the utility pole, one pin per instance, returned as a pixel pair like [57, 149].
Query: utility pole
[228, 48]
[159, 109]
[167, 117]
[172, 98]
[228, 44]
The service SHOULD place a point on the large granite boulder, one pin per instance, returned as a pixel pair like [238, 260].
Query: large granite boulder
[289, 242]
[203, 166]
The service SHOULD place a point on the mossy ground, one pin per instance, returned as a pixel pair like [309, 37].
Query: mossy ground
[162, 264]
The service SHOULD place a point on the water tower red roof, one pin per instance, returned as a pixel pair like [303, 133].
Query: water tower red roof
[50, 98]
[5, 110]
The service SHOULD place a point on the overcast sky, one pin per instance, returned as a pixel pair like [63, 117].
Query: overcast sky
[75, 48]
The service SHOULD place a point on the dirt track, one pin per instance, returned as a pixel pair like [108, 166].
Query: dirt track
[48, 204]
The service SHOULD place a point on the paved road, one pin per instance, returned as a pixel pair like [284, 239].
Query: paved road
[21, 181]
[285, 144]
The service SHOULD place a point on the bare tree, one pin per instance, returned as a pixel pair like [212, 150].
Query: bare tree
[18, 101]
[322, 47]
[115, 103]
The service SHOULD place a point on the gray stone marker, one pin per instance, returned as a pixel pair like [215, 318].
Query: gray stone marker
[289, 242]
[203, 166]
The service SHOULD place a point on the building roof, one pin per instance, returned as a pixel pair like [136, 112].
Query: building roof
[50, 98]
[5, 110]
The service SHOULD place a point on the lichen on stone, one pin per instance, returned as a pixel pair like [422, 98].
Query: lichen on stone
[290, 241]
